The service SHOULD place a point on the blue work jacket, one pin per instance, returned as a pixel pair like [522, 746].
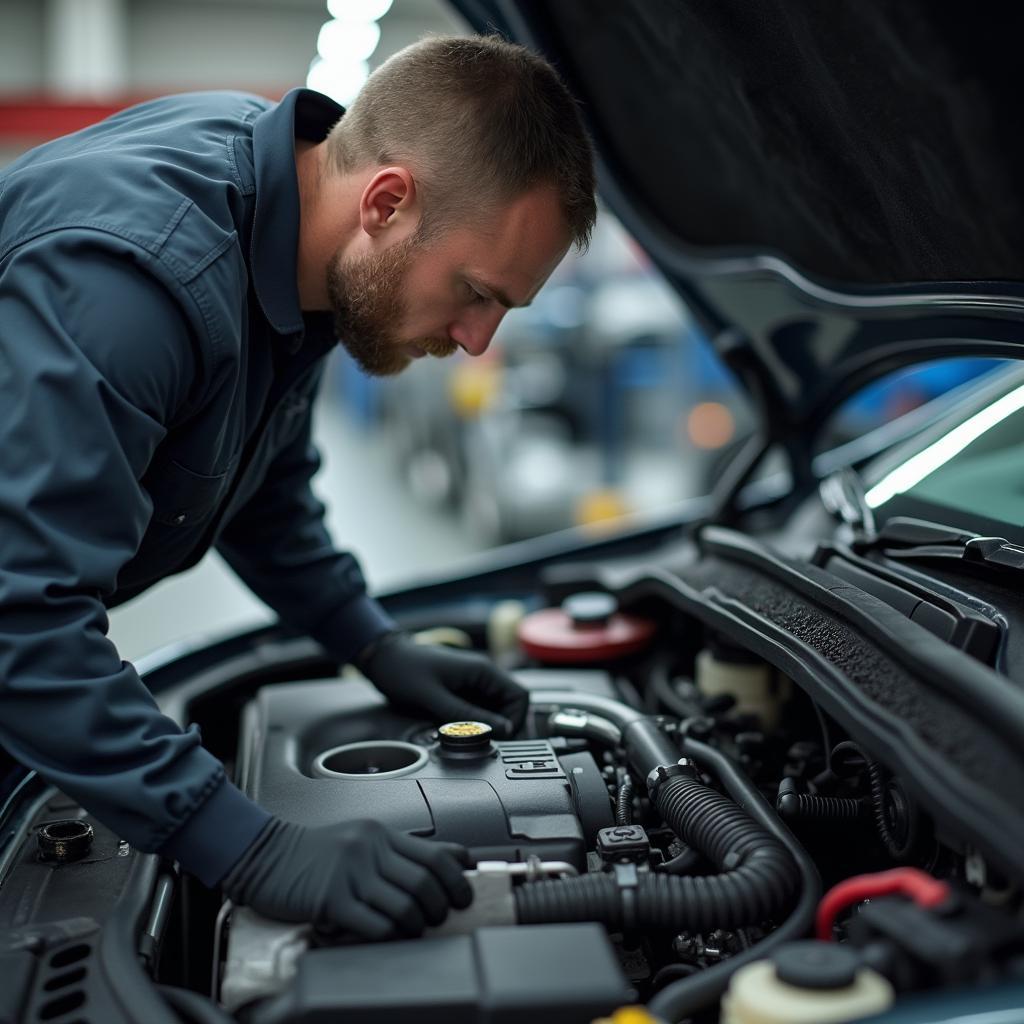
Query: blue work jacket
[156, 375]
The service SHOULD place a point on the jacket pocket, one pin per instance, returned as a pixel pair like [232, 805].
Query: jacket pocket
[182, 497]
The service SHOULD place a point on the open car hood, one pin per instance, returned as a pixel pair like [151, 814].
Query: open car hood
[833, 188]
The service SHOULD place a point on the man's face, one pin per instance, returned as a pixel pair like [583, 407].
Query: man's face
[450, 291]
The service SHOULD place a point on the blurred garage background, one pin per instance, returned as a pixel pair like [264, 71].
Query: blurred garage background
[599, 404]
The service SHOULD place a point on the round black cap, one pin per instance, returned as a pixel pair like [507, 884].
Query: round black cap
[816, 965]
[68, 839]
[591, 608]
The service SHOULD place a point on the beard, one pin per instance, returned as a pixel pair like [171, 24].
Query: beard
[366, 300]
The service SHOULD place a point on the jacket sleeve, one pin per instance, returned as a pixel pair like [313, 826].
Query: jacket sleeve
[280, 547]
[94, 357]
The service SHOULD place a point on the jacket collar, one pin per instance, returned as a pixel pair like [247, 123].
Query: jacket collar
[302, 114]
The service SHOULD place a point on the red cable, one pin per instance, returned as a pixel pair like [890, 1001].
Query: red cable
[924, 890]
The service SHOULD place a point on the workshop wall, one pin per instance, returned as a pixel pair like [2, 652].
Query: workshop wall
[66, 63]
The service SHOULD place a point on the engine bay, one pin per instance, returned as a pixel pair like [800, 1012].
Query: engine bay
[670, 785]
[683, 807]
[554, 823]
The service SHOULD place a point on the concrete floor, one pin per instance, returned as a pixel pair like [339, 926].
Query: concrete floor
[369, 513]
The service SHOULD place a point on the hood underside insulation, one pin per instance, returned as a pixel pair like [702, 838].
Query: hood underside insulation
[865, 142]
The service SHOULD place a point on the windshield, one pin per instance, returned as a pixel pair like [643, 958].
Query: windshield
[972, 470]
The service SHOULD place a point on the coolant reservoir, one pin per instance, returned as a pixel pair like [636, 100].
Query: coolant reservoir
[750, 681]
[806, 983]
[503, 629]
[588, 629]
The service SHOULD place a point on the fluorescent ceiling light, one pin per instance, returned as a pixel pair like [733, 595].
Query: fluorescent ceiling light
[914, 470]
[339, 80]
[358, 10]
[345, 42]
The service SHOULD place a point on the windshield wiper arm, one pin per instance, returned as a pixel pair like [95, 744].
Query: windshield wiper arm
[996, 552]
[913, 539]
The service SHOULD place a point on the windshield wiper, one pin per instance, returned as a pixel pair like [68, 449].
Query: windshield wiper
[908, 539]
[996, 552]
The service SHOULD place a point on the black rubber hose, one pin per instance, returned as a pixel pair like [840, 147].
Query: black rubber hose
[663, 902]
[647, 747]
[796, 806]
[645, 743]
[758, 876]
[593, 897]
[672, 972]
[665, 695]
[687, 996]
[853, 760]
[757, 881]
[899, 851]
[624, 804]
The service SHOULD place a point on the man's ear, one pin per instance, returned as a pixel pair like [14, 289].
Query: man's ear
[389, 201]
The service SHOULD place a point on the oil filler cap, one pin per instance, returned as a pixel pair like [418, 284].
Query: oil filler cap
[65, 840]
[816, 965]
[463, 737]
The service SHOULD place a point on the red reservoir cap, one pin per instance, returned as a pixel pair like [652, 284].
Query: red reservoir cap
[586, 629]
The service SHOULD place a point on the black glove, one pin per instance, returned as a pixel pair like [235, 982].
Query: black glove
[446, 684]
[359, 877]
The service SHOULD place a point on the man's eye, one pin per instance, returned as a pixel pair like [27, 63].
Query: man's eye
[475, 296]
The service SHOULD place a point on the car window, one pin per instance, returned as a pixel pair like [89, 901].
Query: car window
[898, 394]
[968, 464]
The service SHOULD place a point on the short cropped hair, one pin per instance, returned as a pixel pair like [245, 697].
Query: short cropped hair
[479, 121]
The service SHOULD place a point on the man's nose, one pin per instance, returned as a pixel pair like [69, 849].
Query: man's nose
[474, 333]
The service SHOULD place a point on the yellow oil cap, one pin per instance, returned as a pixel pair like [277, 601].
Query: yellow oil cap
[464, 729]
[465, 737]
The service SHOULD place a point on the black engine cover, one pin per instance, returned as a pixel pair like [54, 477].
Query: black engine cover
[515, 801]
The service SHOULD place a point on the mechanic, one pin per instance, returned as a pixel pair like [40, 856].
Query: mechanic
[171, 280]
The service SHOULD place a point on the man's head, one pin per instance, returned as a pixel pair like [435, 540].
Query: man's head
[473, 176]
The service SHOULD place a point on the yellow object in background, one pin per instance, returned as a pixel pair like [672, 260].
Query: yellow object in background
[599, 509]
[474, 386]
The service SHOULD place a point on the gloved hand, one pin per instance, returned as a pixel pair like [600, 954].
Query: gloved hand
[445, 684]
[360, 877]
